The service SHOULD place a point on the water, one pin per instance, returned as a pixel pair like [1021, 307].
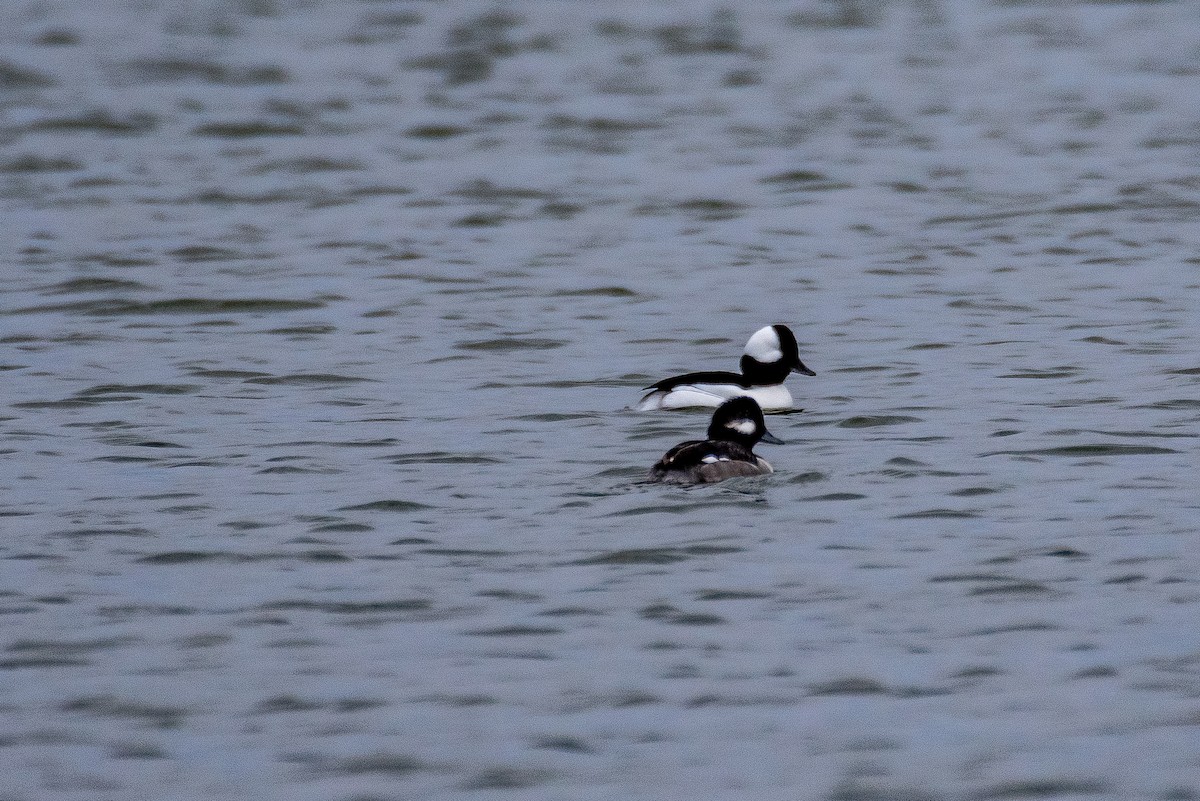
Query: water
[320, 321]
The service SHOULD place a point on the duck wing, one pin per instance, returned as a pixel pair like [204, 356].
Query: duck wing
[709, 451]
[685, 454]
[719, 471]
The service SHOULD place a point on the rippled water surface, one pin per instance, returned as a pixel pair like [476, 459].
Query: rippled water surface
[320, 323]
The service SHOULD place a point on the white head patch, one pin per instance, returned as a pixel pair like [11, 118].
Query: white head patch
[746, 427]
[764, 346]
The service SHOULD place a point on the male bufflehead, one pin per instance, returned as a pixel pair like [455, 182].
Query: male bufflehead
[771, 353]
[728, 452]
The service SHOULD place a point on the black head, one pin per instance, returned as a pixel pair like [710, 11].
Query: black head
[771, 353]
[740, 420]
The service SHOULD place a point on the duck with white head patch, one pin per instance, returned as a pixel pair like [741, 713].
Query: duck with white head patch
[737, 426]
[770, 355]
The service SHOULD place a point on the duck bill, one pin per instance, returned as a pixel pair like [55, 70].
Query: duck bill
[800, 367]
[771, 438]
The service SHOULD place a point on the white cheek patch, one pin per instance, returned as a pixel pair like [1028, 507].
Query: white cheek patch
[764, 346]
[746, 427]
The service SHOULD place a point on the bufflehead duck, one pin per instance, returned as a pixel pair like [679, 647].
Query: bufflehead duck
[771, 353]
[728, 452]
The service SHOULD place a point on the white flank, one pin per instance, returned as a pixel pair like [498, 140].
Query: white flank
[774, 398]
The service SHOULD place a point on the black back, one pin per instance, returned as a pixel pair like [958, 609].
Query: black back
[688, 459]
[709, 377]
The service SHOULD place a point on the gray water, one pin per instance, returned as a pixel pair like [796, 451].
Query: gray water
[320, 323]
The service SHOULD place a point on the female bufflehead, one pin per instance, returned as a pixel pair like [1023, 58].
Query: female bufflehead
[729, 450]
[771, 353]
